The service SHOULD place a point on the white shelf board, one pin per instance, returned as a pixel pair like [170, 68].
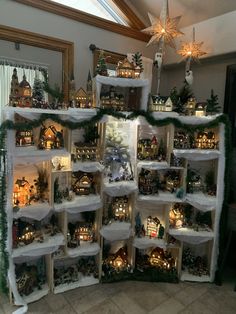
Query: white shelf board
[185, 276]
[161, 197]
[191, 236]
[116, 231]
[146, 242]
[197, 154]
[80, 204]
[35, 211]
[120, 188]
[49, 246]
[201, 201]
[36, 294]
[119, 81]
[83, 282]
[146, 164]
[87, 166]
[88, 249]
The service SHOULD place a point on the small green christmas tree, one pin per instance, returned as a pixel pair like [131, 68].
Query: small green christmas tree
[184, 94]
[38, 90]
[137, 60]
[56, 92]
[101, 67]
[212, 104]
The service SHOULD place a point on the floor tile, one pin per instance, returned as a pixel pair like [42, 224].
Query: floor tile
[126, 304]
[170, 306]
[106, 307]
[190, 294]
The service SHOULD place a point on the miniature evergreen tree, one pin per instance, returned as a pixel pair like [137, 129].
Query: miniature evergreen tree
[182, 97]
[137, 60]
[212, 104]
[38, 90]
[174, 96]
[56, 92]
[101, 67]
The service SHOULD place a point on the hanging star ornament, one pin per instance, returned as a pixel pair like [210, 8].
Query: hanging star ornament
[165, 30]
[191, 50]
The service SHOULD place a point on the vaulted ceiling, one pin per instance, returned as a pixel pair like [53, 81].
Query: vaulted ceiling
[192, 11]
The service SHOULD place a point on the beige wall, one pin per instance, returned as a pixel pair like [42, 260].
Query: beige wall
[34, 20]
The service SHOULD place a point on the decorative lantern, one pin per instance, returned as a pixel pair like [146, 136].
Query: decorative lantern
[120, 208]
[200, 110]
[24, 138]
[190, 107]
[125, 69]
[50, 138]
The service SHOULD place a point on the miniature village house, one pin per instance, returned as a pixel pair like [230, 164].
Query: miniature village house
[148, 149]
[84, 233]
[158, 103]
[206, 140]
[50, 138]
[83, 185]
[152, 227]
[86, 152]
[200, 109]
[176, 217]
[119, 260]
[112, 99]
[22, 192]
[24, 138]
[190, 107]
[159, 258]
[126, 69]
[82, 98]
[172, 182]
[20, 93]
[120, 208]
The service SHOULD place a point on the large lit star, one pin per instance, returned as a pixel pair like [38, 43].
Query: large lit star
[163, 30]
[191, 50]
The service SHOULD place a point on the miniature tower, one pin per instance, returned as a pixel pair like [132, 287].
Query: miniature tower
[15, 90]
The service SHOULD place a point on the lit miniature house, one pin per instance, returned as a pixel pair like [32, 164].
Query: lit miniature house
[190, 107]
[22, 192]
[148, 182]
[83, 184]
[86, 152]
[206, 140]
[125, 69]
[81, 98]
[200, 110]
[182, 140]
[60, 163]
[50, 138]
[158, 103]
[119, 260]
[152, 227]
[120, 208]
[113, 99]
[84, 233]
[148, 149]
[24, 138]
[20, 94]
[176, 216]
[172, 181]
[161, 259]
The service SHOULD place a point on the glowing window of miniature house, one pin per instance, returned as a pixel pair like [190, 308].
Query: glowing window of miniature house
[125, 69]
[83, 233]
[190, 106]
[202, 140]
[50, 138]
[21, 192]
[24, 138]
[172, 182]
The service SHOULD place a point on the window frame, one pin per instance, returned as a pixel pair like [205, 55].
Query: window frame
[133, 31]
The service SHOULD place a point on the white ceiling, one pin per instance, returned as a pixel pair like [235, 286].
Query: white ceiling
[192, 11]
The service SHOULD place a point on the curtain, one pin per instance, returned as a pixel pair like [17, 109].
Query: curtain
[6, 71]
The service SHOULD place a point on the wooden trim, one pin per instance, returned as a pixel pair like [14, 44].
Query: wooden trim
[135, 22]
[86, 18]
[46, 42]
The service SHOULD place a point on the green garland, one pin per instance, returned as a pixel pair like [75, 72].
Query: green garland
[3, 215]
[10, 125]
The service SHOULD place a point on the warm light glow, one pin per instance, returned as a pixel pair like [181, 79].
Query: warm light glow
[167, 32]
[192, 49]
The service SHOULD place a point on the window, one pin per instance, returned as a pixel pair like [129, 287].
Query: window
[105, 9]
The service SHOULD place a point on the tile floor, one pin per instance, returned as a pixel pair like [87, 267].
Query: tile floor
[137, 298]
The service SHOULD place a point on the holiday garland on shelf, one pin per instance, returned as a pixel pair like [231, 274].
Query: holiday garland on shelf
[8, 124]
